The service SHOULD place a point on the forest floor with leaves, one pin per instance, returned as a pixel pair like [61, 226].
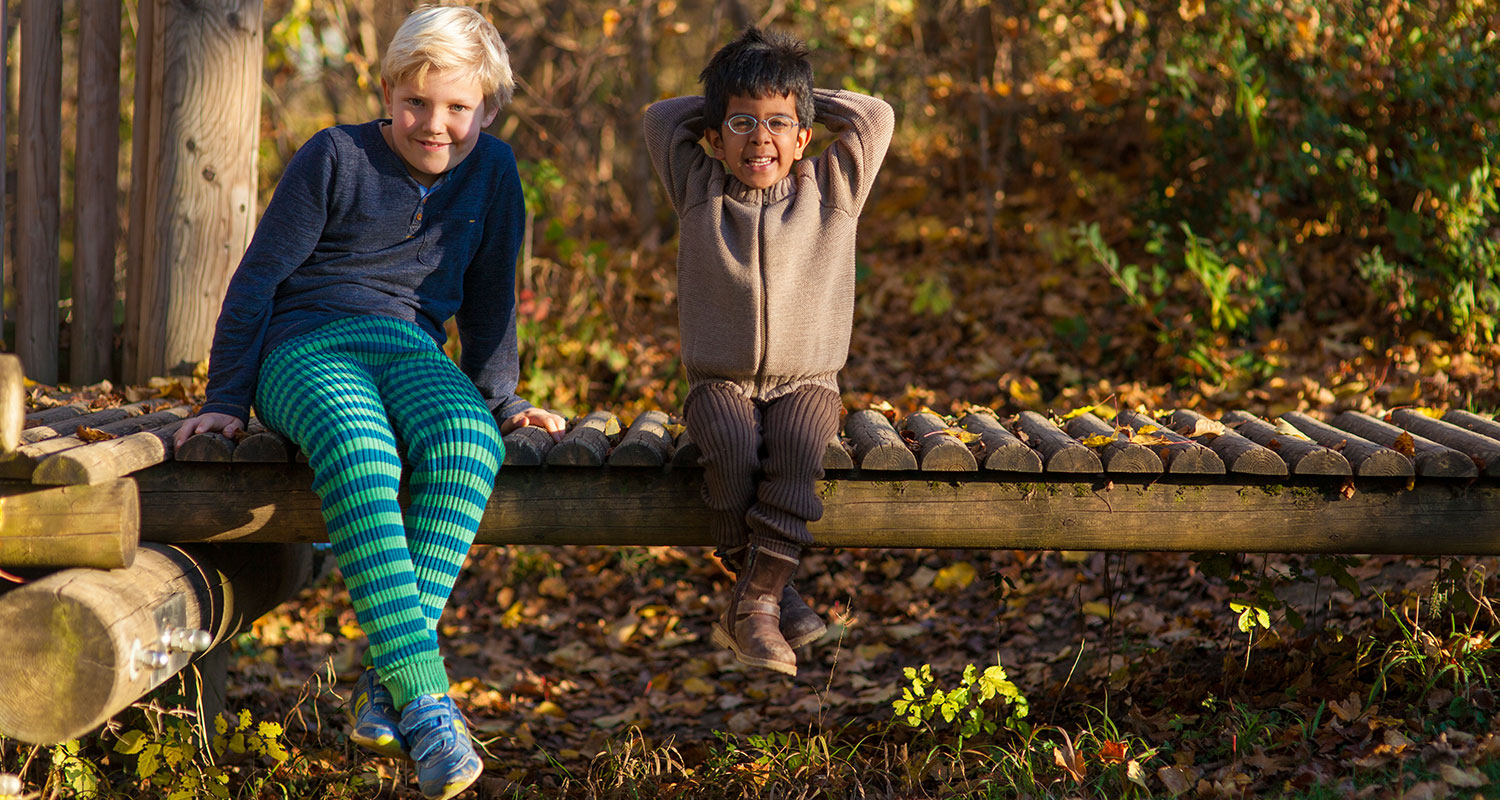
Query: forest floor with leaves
[588, 672]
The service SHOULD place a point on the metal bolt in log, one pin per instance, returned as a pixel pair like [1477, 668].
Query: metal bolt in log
[1302, 456]
[1431, 459]
[82, 644]
[1366, 457]
[941, 450]
[1239, 454]
[877, 446]
[1003, 452]
[1181, 456]
[1119, 456]
[1060, 452]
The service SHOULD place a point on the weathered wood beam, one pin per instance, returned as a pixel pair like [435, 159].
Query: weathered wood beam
[72, 526]
[665, 507]
[82, 644]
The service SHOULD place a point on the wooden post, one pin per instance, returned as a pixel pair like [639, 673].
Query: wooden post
[96, 192]
[39, 183]
[12, 400]
[193, 187]
[82, 644]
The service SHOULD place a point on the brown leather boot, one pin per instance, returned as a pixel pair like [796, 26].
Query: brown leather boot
[800, 624]
[751, 625]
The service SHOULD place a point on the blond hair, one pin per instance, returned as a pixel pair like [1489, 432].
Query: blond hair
[450, 37]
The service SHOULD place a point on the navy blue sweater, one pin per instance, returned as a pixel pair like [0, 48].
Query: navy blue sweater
[348, 233]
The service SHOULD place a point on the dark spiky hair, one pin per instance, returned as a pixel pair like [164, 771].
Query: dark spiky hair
[758, 64]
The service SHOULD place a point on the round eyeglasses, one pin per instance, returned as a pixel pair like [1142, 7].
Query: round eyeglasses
[778, 125]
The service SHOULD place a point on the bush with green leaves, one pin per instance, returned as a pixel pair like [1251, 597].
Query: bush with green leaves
[962, 709]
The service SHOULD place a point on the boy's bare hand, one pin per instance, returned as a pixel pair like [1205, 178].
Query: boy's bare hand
[207, 423]
[546, 420]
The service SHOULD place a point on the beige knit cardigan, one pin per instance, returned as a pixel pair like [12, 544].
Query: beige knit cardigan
[765, 277]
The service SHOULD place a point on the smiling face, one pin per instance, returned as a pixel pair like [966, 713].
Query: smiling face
[435, 122]
[758, 158]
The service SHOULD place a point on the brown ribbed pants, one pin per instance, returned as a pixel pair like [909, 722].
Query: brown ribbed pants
[761, 463]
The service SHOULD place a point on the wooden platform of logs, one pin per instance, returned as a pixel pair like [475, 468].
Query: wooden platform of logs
[143, 556]
[1174, 480]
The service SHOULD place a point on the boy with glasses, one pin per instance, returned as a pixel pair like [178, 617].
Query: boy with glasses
[765, 283]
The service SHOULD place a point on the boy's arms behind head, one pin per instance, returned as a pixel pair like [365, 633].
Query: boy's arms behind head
[846, 170]
[673, 129]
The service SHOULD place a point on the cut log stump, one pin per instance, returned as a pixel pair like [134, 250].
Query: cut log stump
[1003, 452]
[1240, 455]
[70, 526]
[1481, 449]
[877, 446]
[587, 443]
[1180, 455]
[941, 450]
[1302, 455]
[1120, 456]
[1060, 452]
[1369, 460]
[646, 444]
[1432, 460]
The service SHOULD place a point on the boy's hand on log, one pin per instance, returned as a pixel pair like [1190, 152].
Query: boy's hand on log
[546, 420]
[207, 423]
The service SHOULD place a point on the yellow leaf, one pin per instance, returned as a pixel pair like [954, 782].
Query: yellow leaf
[611, 21]
[1099, 440]
[547, 708]
[1097, 608]
[965, 436]
[957, 575]
[612, 426]
[1026, 392]
[1405, 445]
[1147, 429]
[1287, 429]
[1078, 412]
[674, 429]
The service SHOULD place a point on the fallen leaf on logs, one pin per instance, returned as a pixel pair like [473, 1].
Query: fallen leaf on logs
[93, 434]
[1405, 445]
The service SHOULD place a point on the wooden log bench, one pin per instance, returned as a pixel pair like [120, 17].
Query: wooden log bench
[1168, 480]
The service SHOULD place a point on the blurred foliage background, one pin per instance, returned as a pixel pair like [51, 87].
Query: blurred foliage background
[1267, 204]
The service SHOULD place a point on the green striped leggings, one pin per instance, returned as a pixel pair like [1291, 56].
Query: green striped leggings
[346, 392]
